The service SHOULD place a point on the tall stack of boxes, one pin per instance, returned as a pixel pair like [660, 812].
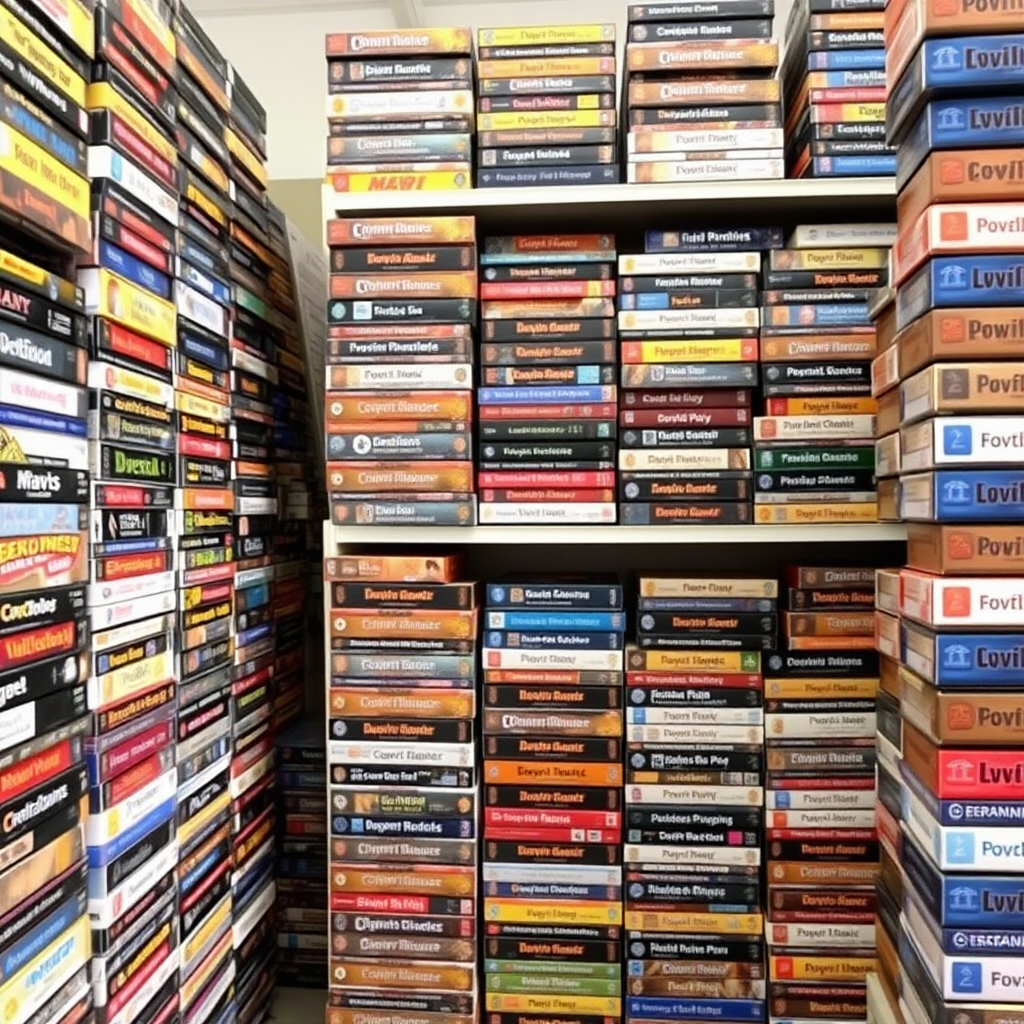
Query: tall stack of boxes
[688, 325]
[955, 116]
[822, 860]
[46, 779]
[402, 802]
[253, 382]
[835, 87]
[399, 403]
[400, 110]
[206, 524]
[546, 101]
[815, 448]
[290, 536]
[701, 94]
[695, 798]
[553, 821]
[885, 390]
[134, 886]
[547, 439]
[303, 917]
[144, 818]
[888, 809]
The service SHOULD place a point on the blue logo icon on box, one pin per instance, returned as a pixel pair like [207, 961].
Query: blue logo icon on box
[967, 977]
[960, 848]
[956, 492]
[957, 440]
[957, 656]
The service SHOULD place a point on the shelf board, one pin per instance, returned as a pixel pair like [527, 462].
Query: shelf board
[874, 533]
[765, 200]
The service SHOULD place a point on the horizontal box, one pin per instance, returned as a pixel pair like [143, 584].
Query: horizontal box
[965, 549]
[810, 936]
[965, 496]
[960, 176]
[961, 334]
[952, 388]
[949, 282]
[958, 228]
[962, 441]
[964, 773]
[994, 718]
[966, 601]
[962, 660]
[907, 23]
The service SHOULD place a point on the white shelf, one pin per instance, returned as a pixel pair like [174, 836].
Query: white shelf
[870, 533]
[767, 201]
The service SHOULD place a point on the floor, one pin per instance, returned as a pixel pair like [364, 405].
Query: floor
[298, 1006]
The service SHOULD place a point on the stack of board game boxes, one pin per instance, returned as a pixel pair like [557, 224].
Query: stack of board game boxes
[302, 905]
[400, 110]
[695, 798]
[43, 86]
[885, 380]
[834, 87]
[289, 538]
[253, 380]
[688, 325]
[152, 863]
[814, 450]
[701, 93]
[402, 760]
[547, 394]
[399, 403]
[955, 117]
[822, 862]
[135, 896]
[44, 582]
[45, 519]
[208, 541]
[546, 99]
[552, 768]
[888, 810]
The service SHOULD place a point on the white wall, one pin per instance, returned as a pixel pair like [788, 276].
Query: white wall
[278, 46]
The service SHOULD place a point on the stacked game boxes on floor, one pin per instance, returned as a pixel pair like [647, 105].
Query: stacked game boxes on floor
[960, 770]
[885, 380]
[403, 790]
[552, 826]
[547, 394]
[546, 100]
[44, 584]
[888, 811]
[399, 402]
[815, 448]
[302, 916]
[695, 798]
[822, 863]
[291, 540]
[688, 326]
[400, 110]
[44, 519]
[834, 87]
[134, 883]
[206, 539]
[701, 93]
[955, 104]
[254, 386]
